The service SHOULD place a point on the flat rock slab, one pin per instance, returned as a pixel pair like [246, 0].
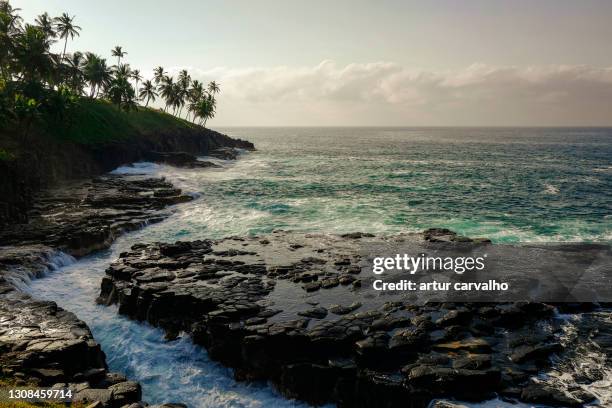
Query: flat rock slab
[83, 217]
[289, 308]
[40, 343]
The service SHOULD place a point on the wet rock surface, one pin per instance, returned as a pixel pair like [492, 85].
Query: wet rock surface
[40, 343]
[179, 159]
[83, 217]
[289, 308]
[43, 345]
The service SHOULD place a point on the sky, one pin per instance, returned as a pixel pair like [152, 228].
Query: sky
[368, 63]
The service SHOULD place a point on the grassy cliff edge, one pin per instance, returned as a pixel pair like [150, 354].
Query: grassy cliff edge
[98, 138]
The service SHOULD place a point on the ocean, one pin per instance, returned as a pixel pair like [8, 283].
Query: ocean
[508, 184]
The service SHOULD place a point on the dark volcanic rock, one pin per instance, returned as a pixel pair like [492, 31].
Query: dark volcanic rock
[41, 343]
[178, 159]
[316, 313]
[46, 161]
[87, 216]
[278, 309]
[545, 394]
[225, 153]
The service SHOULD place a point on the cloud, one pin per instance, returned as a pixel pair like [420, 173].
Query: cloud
[385, 93]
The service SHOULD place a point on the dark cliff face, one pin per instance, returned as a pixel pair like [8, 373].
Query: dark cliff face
[45, 162]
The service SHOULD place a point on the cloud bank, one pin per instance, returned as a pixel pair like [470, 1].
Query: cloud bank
[385, 93]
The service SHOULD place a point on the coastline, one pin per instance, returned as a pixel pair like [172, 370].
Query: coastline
[409, 232]
[43, 344]
[351, 366]
[290, 308]
[48, 161]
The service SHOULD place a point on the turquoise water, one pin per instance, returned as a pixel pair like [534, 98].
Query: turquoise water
[506, 184]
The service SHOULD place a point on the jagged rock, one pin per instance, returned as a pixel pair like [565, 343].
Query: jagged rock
[539, 393]
[261, 309]
[534, 352]
[473, 345]
[330, 283]
[342, 310]
[88, 216]
[356, 235]
[40, 342]
[453, 317]
[316, 313]
[446, 404]
[312, 286]
[126, 392]
[410, 339]
[456, 382]
[473, 362]
[179, 159]
[92, 395]
[225, 153]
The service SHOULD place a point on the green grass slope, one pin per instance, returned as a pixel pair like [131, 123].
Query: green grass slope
[96, 121]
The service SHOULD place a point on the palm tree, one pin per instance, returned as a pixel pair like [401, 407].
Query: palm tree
[46, 24]
[96, 73]
[211, 107]
[159, 74]
[213, 88]
[31, 54]
[167, 90]
[205, 108]
[119, 53]
[10, 26]
[65, 28]
[136, 77]
[6, 8]
[121, 93]
[123, 71]
[76, 64]
[195, 94]
[148, 91]
[184, 80]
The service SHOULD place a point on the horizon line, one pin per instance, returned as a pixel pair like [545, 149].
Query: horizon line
[424, 126]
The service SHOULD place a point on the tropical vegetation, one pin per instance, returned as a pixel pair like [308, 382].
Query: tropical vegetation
[40, 85]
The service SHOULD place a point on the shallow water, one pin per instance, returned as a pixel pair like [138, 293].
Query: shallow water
[507, 184]
[176, 371]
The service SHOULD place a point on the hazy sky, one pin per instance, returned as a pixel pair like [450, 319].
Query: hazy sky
[354, 62]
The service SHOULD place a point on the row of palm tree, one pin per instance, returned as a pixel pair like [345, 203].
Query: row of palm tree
[35, 81]
[200, 101]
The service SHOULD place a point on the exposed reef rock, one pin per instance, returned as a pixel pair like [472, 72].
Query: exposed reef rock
[178, 159]
[289, 308]
[48, 162]
[83, 217]
[40, 343]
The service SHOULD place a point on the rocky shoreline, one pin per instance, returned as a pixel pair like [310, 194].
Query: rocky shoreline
[289, 308]
[286, 307]
[40, 343]
[47, 162]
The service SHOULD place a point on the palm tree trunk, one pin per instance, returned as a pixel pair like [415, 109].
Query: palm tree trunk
[147, 104]
[65, 44]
